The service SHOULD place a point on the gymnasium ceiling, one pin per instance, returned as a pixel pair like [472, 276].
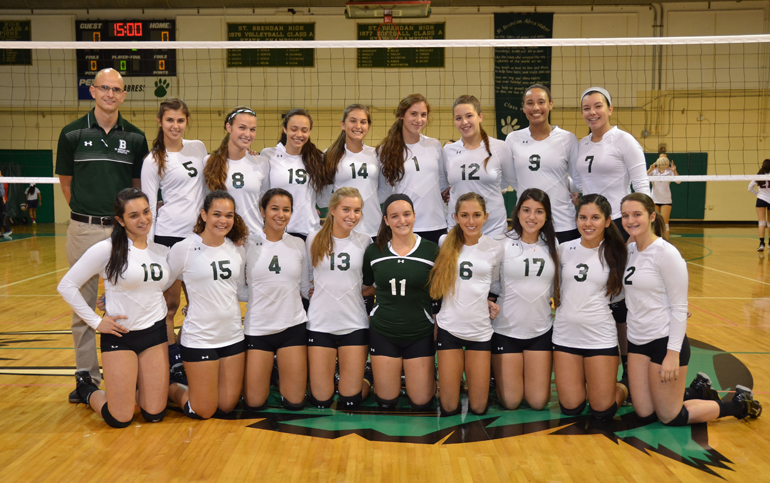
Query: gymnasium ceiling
[296, 4]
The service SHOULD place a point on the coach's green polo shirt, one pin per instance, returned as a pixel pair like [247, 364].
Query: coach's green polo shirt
[100, 164]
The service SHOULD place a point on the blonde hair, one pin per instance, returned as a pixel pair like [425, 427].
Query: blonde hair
[663, 163]
[323, 244]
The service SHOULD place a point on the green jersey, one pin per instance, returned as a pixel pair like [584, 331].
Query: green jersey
[402, 307]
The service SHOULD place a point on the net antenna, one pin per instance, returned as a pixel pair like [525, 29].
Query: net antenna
[388, 11]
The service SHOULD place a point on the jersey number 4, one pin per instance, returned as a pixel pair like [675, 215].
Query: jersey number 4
[362, 172]
[224, 273]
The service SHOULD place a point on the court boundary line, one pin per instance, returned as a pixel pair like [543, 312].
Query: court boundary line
[722, 271]
[33, 278]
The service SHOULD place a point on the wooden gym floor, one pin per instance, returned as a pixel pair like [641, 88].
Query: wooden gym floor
[44, 438]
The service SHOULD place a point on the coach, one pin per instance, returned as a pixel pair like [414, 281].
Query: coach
[98, 155]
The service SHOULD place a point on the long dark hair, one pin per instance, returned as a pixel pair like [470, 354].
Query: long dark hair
[547, 232]
[476, 105]
[613, 250]
[658, 227]
[31, 188]
[215, 171]
[312, 157]
[159, 145]
[385, 233]
[118, 261]
[238, 232]
[765, 169]
[392, 149]
[336, 151]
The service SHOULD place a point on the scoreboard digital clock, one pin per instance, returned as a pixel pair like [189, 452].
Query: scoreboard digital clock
[130, 63]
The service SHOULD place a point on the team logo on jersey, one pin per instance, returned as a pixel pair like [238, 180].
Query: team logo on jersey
[122, 148]
[88, 143]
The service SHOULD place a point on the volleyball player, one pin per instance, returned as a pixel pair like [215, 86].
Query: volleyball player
[413, 164]
[761, 189]
[544, 157]
[338, 325]
[661, 190]
[133, 335]
[529, 276]
[233, 168]
[349, 162]
[466, 272]
[275, 321]
[476, 163]
[212, 268]
[297, 166]
[656, 284]
[34, 200]
[175, 167]
[584, 336]
[401, 323]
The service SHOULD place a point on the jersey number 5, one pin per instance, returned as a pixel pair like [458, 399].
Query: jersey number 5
[583, 274]
[191, 171]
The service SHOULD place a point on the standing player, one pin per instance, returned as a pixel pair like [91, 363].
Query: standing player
[401, 323]
[275, 321]
[133, 338]
[97, 156]
[656, 288]
[466, 272]
[175, 167]
[478, 164]
[585, 343]
[349, 162]
[212, 268]
[297, 166]
[34, 200]
[232, 168]
[413, 164]
[544, 157]
[338, 325]
[661, 190]
[521, 344]
[761, 189]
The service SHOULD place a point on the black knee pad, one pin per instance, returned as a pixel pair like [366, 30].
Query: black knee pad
[153, 418]
[349, 402]
[455, 412]
[110, 419]
[321, 404]
[387, 403]
[606, 414]
[680, 419]
[254, 409]
[293, 407]
[648, 419]
[574, 411]
[421, 407]
[188, 411]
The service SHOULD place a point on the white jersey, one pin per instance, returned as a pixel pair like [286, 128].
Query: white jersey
[656, 284]
[547, 165]
[362, 172]
[466, 173]
[337, 306]
[526, 275]
[465, 313]
[583, 320]
[277, 275]
[610, 166]
[138, 294]
[183, 187]
[288, 172]
[423, 182]
[761, 190]
[214, 278]
[32, 196]
[661, 190]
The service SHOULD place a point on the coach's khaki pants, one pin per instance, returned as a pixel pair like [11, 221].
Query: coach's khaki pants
[80, 237]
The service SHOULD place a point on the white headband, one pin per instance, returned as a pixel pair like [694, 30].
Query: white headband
[600, 90]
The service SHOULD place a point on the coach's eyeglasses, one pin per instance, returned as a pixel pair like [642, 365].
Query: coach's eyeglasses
[106, 89]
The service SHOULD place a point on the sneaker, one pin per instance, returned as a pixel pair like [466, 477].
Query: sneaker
[368, 375]
[178, 375]
[702, 384]
[761, 247]
[751, 407]
[85, 386]
[74, 398]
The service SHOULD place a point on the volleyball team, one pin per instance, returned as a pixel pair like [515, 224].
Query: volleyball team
[392, 276]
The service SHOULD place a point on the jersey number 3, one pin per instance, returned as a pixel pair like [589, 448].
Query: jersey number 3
[583, 274]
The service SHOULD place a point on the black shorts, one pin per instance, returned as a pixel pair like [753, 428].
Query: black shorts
[569, 235]
[379, 345]
[657, 350]
[447, 341]
[136, 340]
[32, 204]
[619, 223]
[332, 341]
[293, 336]
[168, 241]
[502, 344]
[662, 204]
[612, 351]
[762, 204]
[433, 235]
[197, 355]
[619, 311]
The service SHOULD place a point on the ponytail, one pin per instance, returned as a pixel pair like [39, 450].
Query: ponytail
[323, 243]
[118, 261]
[476, 105]
[658, 227]
[312, 157]
[392, 150]
[215, 171]
[159, 144]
